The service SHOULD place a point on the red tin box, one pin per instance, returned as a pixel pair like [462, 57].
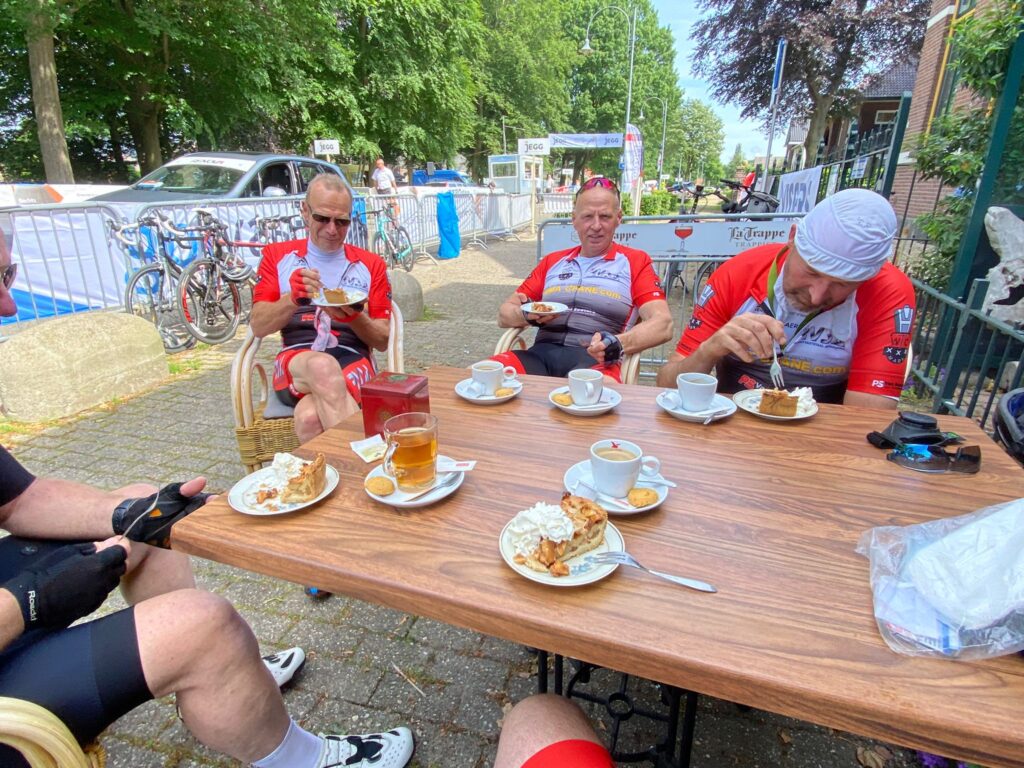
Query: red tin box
[389, 394]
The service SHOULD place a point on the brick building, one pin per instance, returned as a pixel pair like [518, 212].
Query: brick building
[935, 91]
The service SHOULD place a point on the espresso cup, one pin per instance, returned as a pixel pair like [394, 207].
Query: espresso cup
[696, 390]
[585, 386]
[617, 465]
[489, 376]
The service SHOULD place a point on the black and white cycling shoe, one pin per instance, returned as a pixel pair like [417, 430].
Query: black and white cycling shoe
[284, 664]
[392, 749]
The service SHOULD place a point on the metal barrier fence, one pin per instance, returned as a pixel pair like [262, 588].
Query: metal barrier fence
[557, 202]
[69, 260]
[966, 373]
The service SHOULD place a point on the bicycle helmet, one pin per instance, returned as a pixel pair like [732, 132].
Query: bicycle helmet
[1009, 423]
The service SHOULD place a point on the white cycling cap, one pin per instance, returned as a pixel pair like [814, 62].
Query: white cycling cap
[848, 236]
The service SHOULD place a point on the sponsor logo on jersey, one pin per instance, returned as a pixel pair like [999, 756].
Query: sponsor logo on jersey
[694, 324]
[895, 355]
[904, 319]
[564, 275]
[705, 295]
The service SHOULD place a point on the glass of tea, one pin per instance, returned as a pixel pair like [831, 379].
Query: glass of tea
[411, 456]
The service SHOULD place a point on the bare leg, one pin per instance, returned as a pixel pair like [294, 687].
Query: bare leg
[194, 644]
[307, 420]
[538, 722]
[152, 571]
[319, 375]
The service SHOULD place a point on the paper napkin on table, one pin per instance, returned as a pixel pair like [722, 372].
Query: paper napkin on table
[371, 449]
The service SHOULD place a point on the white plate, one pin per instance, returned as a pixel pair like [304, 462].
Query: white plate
[242, 497]
[750, 400]
[557, 308]
[609, 399]
[354, 297]
[400, 498]
[668, 401]
[582, 471]
[578, 572]
[465, 391]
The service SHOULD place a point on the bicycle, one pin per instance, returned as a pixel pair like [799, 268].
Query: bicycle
[391, 241]
[152, 291]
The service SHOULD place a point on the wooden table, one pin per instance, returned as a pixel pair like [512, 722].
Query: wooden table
[769, 512]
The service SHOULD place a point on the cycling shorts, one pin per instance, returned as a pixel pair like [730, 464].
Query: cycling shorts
[548, 359]
[355, 367]
[572, 753]
[89, 675]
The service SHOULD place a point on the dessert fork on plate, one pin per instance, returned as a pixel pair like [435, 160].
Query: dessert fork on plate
[775, 372]
[624, 558]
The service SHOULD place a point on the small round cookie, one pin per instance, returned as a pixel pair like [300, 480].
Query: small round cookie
[642, 497]
[380, 486]
[562, 398]
[504, 392]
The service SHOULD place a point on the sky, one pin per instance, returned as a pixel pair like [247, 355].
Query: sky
[680, 15]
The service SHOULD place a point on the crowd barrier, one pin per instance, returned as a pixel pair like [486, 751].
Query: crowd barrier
[69, 260]
[556, 202]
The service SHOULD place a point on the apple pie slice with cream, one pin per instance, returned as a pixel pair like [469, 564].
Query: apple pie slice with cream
[545, 537]
[305, 480]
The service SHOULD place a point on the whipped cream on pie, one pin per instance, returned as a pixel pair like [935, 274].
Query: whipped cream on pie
[545, 537]
[295, 480]
[541, 521]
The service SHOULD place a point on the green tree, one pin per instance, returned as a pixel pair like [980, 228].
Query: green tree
[703, 137]
[832, 44]
[955, 148]
[737, 162]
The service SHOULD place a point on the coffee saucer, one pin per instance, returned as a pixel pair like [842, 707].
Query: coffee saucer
[579, 476]
[668, 401]
[411, 500]
[609, 399]
[464, 389]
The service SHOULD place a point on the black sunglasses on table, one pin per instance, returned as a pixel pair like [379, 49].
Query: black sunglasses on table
[7, 275]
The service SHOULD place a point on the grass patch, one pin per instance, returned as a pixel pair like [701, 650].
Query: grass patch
[188, 365]
[431, 313]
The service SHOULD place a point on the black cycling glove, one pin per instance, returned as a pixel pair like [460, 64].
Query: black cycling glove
[612, 347]
[69, 583]
[160, 511]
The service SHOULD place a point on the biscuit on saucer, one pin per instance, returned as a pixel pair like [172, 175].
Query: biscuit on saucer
[380, 486]
[562, 398]
[642, 497]
[504, 392]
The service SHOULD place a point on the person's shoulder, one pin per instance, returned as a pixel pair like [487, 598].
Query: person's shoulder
[635, 255]
[277, 251]
[890, 286]
[555, 256]
[372, 261]
[757, 255]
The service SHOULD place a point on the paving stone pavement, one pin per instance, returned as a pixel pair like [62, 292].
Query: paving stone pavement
[360, 655]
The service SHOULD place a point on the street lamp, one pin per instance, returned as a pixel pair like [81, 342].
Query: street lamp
[664, 126]
[586, 49]
[504, 144]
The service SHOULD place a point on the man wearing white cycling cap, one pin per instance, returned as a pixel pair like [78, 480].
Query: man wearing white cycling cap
[838, 312]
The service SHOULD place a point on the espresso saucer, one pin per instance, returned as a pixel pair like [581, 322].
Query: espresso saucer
[403, 500]
[580, 473]
[609, 399]
[668, 401]
[464, 389]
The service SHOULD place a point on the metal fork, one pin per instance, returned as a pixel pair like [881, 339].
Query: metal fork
[624, 558]
[776, 370]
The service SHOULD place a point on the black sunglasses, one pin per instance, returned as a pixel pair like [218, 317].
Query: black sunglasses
[339, 222]
[7, 274]
[934, 458]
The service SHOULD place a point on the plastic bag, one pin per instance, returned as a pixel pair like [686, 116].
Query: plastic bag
[951, 587]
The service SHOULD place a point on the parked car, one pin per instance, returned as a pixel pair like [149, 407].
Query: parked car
[228, 175]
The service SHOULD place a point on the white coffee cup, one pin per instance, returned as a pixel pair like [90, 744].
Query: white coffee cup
[489, 376]
[585, 386]
[696, 390]
[616, 465]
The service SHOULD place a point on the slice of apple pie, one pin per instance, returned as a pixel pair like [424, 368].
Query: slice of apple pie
[545, 537]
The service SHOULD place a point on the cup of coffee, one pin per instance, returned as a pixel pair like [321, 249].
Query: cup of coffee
[411, 457]
[696, 390]
[585, 386]
[617, 465]
[489, 376]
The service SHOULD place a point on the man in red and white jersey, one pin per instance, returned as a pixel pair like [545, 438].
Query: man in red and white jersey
[840, 313]
[607, 288]
[327, 353]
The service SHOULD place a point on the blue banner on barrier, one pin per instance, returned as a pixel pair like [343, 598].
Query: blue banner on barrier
[448, 226]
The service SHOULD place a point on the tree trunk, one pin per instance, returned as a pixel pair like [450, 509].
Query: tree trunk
[816, 129]
[144, 123]
[117, 146]
[53, 144]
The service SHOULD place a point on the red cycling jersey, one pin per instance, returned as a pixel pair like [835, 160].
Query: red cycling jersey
[360, 270]
[860, 345]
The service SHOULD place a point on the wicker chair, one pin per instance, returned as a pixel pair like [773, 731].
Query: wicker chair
[268, 427]
[512, 339]
[41, 737]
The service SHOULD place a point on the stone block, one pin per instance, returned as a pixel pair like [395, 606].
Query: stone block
[407, 294]
[63, 365]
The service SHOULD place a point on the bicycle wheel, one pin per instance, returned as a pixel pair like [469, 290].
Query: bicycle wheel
[212, 303]
[151, 295]
[404, 255]
[384, 248]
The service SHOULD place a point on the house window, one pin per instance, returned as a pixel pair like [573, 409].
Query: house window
[885, 116]
[964, 6]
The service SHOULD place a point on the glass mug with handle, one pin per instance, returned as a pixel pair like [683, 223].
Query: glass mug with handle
[411, 457]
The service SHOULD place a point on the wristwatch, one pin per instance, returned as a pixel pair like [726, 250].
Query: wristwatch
[612, 347]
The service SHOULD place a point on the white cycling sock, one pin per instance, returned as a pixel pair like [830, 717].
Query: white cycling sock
[298, 748]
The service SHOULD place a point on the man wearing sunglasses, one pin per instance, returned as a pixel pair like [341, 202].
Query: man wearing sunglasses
[828, 301]
[327, 353]
[607, 288]
[69, 546]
